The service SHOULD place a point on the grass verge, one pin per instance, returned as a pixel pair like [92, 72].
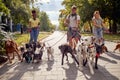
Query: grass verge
[24, 38]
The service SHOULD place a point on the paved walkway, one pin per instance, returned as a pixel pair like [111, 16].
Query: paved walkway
[109, 66]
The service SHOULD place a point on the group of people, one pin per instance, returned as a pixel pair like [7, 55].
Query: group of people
[72, 22]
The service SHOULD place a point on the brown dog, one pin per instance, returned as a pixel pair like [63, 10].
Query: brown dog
[104, 49]
[117, 47]
[11, 47]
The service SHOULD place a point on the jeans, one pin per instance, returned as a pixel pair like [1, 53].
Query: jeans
[98, 32]
[34, 35]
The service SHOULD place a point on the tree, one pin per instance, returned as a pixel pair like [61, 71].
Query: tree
[45, 24]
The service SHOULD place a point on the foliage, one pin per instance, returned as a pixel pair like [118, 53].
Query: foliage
[3, 8]
[109, 9]
[45, 24]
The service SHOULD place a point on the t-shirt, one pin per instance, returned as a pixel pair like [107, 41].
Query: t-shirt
[34, 23]
[73, 20]
[98, 22]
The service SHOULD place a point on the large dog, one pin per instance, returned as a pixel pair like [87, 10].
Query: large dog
[86, 52]
[11, 47]
[65, 49]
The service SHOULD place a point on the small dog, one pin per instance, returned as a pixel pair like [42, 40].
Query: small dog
[39, 48]
[27, 53]
[50, 52]
[65, 49]
[104, 49]
[117, 47]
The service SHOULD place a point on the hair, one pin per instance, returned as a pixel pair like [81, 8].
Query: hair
[95, 12]
[33, 11]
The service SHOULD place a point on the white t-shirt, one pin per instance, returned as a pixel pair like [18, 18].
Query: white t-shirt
[72, 20]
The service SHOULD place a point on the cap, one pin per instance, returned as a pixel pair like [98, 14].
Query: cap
[73, 7]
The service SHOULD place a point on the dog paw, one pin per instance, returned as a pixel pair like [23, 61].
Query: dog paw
[96, 67]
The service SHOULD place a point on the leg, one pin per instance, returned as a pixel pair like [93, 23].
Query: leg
[36, 32]
[48, 56]
[31, 36]
[74, 58]
[9, 58]
[19, 57]
[13, 56]
[62, 58]
[66, 57]
[96, 60]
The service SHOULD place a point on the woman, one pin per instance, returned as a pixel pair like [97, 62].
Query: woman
[98, 27]
[34, 23]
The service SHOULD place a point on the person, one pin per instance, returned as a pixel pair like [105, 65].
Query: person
[72, 22]
[98, 27]
[34, 23]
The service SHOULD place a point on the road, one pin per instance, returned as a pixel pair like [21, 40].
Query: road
[109, 65]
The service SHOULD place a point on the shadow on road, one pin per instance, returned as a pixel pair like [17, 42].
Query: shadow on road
[50, 64]
[108, 60]
[100, 74]
[71, 72]
[113, 55]
[22, 68]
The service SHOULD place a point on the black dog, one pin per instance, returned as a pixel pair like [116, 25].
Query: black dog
[38, 51]
[27, 54]
[65, 48]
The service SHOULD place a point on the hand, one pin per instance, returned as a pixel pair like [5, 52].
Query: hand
[29, 29]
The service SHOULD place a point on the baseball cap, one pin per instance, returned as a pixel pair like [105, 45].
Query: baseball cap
[74, 7]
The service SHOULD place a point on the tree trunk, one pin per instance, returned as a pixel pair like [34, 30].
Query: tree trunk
[110, 27]
[114, 27]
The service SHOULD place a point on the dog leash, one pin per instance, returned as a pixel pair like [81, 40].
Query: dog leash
[50, 39]
[58, 40]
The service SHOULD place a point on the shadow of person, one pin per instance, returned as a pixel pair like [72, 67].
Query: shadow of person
[50, 64]
[24, 69]
[71, 72]
[108, 60]
[115, 56]
[6, 67]
[100, 74]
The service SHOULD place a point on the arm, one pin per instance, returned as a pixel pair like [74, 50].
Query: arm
[66, 22]
[94, 23]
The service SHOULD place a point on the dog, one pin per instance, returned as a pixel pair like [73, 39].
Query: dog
[117, 47]
[104, 49]
[86, 52]
[39, 48]
[11, 47]
[65, 49]
[50, 52]
[27, 53]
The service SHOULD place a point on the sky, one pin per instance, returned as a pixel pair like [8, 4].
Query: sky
[51, 7]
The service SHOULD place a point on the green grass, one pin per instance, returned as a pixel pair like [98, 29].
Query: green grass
[112, 37]
[19, 39]
[108, 37]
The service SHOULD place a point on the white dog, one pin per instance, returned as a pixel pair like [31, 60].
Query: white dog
[86, 52]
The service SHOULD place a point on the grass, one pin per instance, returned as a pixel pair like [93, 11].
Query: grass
[112, 37]
[108, 37]
[24, 38]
